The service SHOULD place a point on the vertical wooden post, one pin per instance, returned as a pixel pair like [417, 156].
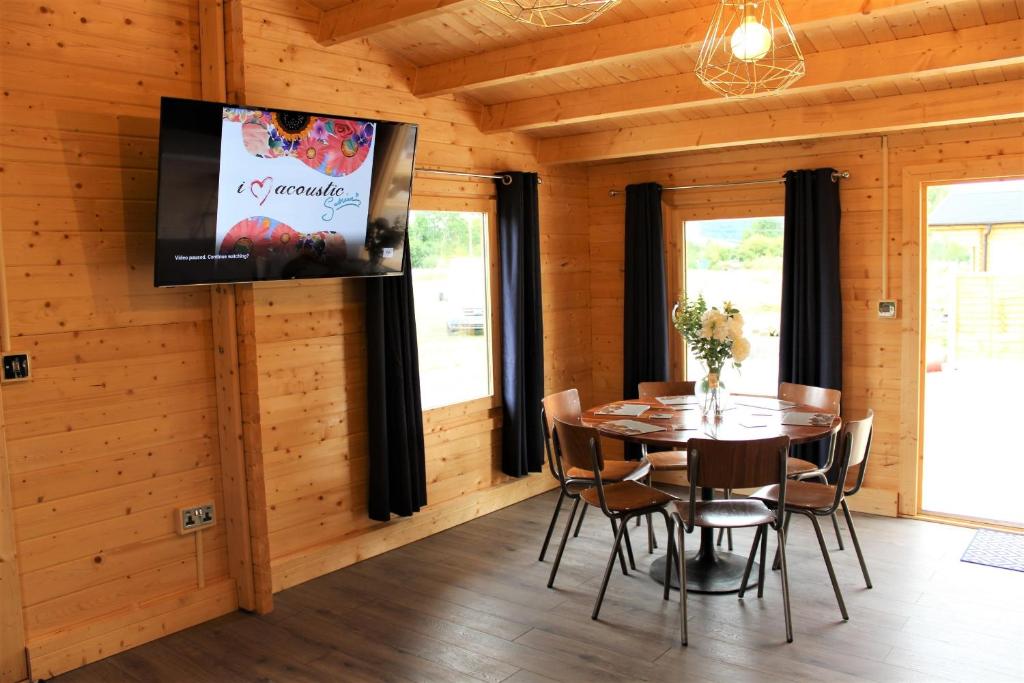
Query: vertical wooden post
[252, 438]
[13, 662]
[253, 593]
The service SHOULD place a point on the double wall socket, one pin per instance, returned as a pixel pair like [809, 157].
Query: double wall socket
[195, 517]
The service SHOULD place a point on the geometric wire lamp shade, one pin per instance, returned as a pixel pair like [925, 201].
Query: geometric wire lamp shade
[551, 12]
[749, 49]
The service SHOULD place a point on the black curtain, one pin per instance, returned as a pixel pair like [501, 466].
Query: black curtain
[522, 329]
[811, 338]
[645, 305]
[398, 482]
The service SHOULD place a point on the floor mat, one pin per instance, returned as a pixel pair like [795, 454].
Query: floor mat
[996, 549]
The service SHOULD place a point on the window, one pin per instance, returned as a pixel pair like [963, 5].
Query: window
[450, 254]
[740, 260]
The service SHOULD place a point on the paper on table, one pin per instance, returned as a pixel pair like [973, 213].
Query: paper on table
[631, 427]
[678, 400]
[766, 403]
[660, 416]
[631, 409]
[808, 419]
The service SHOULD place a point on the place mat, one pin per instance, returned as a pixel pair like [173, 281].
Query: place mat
[996, 549]
[808, 419]
[630, 427]
[630, 409]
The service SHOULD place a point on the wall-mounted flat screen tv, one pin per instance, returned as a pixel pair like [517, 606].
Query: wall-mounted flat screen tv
[249, 194]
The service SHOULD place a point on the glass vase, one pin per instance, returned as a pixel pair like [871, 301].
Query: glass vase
[712, 394]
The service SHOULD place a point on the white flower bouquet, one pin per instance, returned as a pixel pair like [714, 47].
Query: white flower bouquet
[714, 336]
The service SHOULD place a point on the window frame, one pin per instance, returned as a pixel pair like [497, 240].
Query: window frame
[676, 217]
[487, 206]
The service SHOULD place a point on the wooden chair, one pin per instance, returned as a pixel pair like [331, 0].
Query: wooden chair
[666, 460]
[828, 400]
[815, 499]
[565, 405]
[580, 447]
[853, 481]
[732, 465]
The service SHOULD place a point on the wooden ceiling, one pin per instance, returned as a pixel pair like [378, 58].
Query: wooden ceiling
[624, 84]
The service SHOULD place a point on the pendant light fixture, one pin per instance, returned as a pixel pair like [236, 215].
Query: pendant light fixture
[549, 13]
[749, 50]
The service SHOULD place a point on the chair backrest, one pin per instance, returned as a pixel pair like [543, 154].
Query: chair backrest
[860, 432]
[579, 446]
[818, 397]
[650, 390]
[564, 405]
[737, 465]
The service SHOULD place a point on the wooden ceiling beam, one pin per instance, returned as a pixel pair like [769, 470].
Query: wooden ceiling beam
[984, 46]
[576, 49]
[991, 102]
[363, 18]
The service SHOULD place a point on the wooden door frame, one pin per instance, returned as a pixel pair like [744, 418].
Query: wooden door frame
[915, 181]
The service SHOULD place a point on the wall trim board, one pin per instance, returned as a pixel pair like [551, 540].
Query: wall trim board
[912, 358]
[13, 659]
[319, 560]
[213, 60]
[252, 440]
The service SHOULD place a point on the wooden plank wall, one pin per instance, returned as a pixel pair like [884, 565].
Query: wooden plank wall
[307, 412]
[119, 424]
[871, 346]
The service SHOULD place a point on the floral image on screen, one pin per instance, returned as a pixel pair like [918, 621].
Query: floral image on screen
[293, 186]
[334, 147]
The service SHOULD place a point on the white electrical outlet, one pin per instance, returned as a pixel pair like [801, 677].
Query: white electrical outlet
[195, 517]
[887, 308]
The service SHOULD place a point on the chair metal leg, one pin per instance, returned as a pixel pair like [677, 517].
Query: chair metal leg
[670, 557]
[839, 534]
[856, 543]
[551, 527]
[622, 557]
[775, 562]
[764, 556]
[828, 565]
[608, 567]
[785, 585]
[579, 523]
[750, 563]
[561, 546]
[727, 533]
[629, 550]
[681, 562]
[652, 543]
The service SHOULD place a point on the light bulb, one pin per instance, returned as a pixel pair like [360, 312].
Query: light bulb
[751, 41]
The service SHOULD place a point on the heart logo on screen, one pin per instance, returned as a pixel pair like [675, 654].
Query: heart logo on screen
[265, 186]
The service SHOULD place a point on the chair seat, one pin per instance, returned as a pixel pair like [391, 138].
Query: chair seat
[730, 513]
[796, 466]
[614, 470]
[628, 496]
[667, 461]
[805, 495]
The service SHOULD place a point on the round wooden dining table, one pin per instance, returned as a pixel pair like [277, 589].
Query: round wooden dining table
[708, 570]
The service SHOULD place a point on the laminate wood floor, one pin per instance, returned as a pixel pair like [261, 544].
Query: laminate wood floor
[470, 604]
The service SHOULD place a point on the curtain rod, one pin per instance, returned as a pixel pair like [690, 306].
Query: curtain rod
[505, 179]
[836, 176]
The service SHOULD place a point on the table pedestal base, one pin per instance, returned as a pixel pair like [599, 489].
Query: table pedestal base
[719, 573]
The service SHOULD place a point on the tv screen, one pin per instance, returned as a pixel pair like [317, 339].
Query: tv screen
[249, 194]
